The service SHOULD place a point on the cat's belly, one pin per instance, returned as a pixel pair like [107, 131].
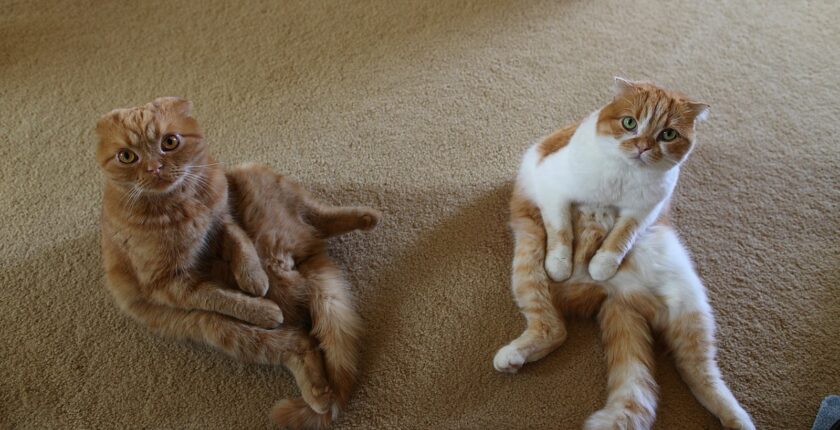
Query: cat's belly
[656, 258]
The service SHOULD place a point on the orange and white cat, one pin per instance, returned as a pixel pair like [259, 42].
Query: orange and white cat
[590, 209]
[614, 157]
[235, 260]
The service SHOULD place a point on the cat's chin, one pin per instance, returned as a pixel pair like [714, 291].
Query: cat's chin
[163, 186]
[635, 160]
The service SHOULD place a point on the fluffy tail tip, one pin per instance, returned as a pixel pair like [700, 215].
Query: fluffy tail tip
[295, 414]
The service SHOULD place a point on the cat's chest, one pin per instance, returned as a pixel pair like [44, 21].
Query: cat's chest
[594, 181]
[166, 251]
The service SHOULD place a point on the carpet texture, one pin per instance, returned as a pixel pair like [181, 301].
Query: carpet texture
[421, 109]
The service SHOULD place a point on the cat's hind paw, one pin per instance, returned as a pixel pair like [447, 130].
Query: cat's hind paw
[740, 422]
[558, 264]
[319, 398]
[616, 418]
[604, 265]
[281, 263]
[508, 359]
[369, 219]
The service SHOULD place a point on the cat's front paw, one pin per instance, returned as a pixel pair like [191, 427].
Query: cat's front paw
[253, 280]
[508, 359]
[265, 314]
[558, 263]
[604, 265]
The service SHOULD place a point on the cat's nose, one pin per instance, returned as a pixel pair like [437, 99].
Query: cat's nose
[154, 167]
[642, 146]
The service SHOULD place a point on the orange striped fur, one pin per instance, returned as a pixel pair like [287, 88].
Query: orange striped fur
[557, 140]
[223, 259]
[668, 108]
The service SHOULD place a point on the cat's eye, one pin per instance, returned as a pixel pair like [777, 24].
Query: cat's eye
[170, 142]
[126, 157]
[629, 123]
[668, 134]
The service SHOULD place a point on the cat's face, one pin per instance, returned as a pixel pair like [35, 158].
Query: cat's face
[653, 127]
[151, 148]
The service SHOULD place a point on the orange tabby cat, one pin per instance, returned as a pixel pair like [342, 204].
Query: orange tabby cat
[628, 151]
[177, 260]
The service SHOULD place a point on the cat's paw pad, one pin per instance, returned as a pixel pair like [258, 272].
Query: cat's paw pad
[267, 314]
[558, 264]
[604, 265]
[508, 359]
[319, 398]
[369, 219]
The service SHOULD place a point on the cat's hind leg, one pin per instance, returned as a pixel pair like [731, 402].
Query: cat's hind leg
[545, 329]
[307, 366]
[337, 328]
[289, 346]
[337, 220]
[631, 402]
[689, 332]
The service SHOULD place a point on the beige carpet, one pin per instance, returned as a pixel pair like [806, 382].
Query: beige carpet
[420, 109]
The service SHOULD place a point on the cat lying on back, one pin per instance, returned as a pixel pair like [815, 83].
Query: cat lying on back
[234, 260]
[600, 186]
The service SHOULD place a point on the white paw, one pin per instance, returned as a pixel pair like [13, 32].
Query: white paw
[741, 422]
[558, 263]
[604, 265]
[508, 359]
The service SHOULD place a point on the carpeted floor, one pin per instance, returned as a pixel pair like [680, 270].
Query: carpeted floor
[421, 109]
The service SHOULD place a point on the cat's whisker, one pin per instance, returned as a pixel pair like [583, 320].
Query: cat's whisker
[207, 165]
[200, 180]
[131, 197]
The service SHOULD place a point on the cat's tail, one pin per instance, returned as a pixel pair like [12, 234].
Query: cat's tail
[337, 327]
[296, 414]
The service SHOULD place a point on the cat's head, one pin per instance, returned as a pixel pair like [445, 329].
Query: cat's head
[151, 148]
[653, 126]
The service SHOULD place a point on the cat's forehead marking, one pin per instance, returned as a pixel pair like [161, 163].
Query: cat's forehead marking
[151, 131]
[656, 111]
[139, 126]
[133, 137]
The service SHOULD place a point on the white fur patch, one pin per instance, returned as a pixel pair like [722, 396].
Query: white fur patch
[508, 359]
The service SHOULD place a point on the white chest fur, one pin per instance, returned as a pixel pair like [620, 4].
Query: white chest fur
[591, 169]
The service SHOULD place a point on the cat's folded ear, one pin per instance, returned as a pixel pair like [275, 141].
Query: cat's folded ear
[623, 87]
[106, 122]
[174, 104]
[699, 111]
